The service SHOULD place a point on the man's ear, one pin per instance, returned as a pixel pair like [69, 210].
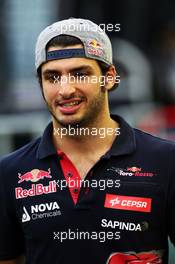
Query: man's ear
[110, 78]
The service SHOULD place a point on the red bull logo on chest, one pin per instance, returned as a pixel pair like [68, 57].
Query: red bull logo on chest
[34, 175]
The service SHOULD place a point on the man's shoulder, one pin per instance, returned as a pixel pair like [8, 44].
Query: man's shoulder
[18, 156]
[151, 141]
[141, 139]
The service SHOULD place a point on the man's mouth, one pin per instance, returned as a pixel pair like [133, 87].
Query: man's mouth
[69, 106]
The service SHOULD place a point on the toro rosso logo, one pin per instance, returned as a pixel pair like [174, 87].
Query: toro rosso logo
[131, 171]
[152, 257]
[34, 175]
[134, 169]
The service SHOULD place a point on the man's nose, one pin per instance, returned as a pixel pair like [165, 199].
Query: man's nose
[66, 87]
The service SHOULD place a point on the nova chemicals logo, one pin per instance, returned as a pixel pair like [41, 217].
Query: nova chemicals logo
[25, 216]
[39, 211]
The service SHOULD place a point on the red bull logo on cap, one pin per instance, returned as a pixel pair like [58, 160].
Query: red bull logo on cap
[94, 44]
[34, 175]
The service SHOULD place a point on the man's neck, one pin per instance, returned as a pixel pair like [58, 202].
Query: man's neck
[89, 139]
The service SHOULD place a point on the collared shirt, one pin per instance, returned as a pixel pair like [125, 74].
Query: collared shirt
[122, 212]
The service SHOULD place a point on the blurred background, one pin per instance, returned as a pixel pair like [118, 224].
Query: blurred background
[144, 54]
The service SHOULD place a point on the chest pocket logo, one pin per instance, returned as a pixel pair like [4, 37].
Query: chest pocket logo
[130, 203]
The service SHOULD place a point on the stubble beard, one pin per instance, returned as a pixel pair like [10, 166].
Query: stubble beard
[90, 117]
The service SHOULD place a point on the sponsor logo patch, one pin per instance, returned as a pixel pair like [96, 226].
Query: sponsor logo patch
[127, 226]
[130, 203]
[36, 189]
[94, 44]
[94, 47]
[34, 175]
[152, 257]
[39, 211]
[95, 52]
[131, 171]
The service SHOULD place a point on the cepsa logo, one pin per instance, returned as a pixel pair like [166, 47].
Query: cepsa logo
[152, 257]
[36, 189]
[129, 203]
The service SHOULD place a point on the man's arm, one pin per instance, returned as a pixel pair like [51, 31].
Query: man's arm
[12, 245]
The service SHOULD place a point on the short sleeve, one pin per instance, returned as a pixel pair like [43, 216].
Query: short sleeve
[11, 236]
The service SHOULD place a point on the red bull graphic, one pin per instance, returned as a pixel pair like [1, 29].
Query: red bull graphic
[152, 257]
[94, 47]
[95, 52]
[94, 44]
[36, 189]
[34, 175]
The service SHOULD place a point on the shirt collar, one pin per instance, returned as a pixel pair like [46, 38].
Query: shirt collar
[46, 146]
[124, 144]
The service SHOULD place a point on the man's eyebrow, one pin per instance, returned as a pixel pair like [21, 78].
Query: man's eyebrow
[82, 68]
[79, 68]
[50, 71]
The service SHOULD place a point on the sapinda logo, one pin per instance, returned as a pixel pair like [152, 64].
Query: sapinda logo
[152, 257]
[125, 225]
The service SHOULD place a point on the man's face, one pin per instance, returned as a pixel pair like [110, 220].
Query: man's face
[70, 99]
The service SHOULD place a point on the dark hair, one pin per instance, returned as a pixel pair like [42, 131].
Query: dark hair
[64, 41]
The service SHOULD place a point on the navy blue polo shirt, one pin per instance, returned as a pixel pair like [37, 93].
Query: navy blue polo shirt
[123, 211]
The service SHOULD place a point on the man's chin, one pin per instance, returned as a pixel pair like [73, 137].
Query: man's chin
[68, 121]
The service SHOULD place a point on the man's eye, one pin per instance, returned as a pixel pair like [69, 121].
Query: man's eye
[54, 78]
[79, 74]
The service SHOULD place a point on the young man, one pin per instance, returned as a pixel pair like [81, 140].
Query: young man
[92, 189]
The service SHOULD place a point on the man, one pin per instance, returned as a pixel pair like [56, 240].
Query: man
[92, 189]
